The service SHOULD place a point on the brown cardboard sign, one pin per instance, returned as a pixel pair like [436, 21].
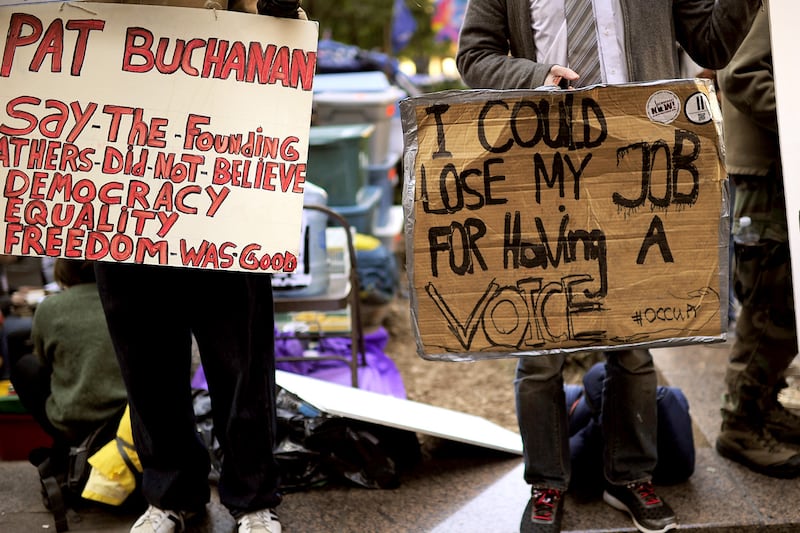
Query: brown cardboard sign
[543, 221]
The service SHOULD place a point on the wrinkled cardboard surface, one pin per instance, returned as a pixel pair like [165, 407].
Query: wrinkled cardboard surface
[592, 219]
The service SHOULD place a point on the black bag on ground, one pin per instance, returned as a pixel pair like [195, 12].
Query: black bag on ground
[314, 448]
[64, 471]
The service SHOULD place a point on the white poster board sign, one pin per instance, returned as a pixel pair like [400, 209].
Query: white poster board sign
[152, 134]
[786, 65]
[369, 406]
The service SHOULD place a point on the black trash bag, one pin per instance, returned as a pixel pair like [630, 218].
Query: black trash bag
[301, 468]
[315, 448]
[204, 425]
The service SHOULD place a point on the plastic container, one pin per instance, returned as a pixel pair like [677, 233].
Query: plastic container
[384, 176]
[312, 276]
[20, 434]
[391, 233]
[361, 97]
[363, 214]
[337, 160]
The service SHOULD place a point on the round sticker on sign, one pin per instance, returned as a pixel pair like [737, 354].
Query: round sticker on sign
[698, 108]
[663, 107]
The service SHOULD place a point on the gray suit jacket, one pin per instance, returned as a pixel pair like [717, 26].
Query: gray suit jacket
[497, 51]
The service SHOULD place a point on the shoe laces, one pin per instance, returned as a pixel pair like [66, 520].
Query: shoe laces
[545, 501]
[262, 520]
[769, 442]
[647, 493]
[154, 518]
[778, 413]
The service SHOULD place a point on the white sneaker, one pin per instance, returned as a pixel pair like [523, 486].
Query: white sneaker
[155, 520]
[263, 521]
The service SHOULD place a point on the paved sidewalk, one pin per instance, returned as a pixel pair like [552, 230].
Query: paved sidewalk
[465, 489]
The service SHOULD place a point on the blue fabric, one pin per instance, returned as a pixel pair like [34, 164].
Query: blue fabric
[378, 275]
[403, 26]
[675, 441]
[333, 56]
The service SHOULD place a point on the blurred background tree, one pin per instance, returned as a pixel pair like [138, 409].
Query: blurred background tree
[368, 25]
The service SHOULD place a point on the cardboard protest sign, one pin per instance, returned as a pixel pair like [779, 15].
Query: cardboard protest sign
[542, 221]
[152, 134]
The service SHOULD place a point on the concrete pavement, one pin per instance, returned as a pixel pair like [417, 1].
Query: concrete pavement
[466, 489]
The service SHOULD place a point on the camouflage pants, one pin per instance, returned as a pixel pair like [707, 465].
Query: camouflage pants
[766, 338]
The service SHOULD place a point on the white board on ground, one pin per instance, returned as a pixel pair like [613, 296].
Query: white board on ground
[368, 406]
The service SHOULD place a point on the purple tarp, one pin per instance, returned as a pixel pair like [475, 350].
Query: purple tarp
[380, 374]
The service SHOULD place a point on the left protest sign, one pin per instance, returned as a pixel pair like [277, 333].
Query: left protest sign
[152, 134]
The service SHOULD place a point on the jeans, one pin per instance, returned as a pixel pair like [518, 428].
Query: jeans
[628, 418]
[152, 314]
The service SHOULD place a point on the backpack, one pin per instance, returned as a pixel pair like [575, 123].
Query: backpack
[675, 441]
[63, 472]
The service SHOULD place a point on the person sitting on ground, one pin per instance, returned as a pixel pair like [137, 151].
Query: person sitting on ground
[22, 280]
[71, 382]
[675, 441]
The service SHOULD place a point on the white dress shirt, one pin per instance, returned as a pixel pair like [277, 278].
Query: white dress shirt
[550, 35]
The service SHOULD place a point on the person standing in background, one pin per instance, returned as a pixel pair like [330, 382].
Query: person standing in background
[757, 431]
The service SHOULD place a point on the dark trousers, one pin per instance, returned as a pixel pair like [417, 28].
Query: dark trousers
[152, 313]
[30, 376]
[766, 333]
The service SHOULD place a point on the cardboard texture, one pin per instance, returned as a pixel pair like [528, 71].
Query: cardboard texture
[542, 221]
[154, 134]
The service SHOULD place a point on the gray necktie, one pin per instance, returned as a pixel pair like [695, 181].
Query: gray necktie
[582, 41]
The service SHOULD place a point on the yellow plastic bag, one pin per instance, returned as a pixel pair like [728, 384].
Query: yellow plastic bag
[111, 479]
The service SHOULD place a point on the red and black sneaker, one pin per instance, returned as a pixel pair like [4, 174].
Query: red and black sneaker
[543, 512]
[650, 513]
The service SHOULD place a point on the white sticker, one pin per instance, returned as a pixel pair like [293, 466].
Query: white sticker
[663, 107]
[698, 108]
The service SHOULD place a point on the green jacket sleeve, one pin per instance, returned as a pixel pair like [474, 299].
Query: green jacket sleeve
[747, 82]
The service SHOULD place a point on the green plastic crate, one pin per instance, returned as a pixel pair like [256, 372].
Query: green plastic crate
[338, 160]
